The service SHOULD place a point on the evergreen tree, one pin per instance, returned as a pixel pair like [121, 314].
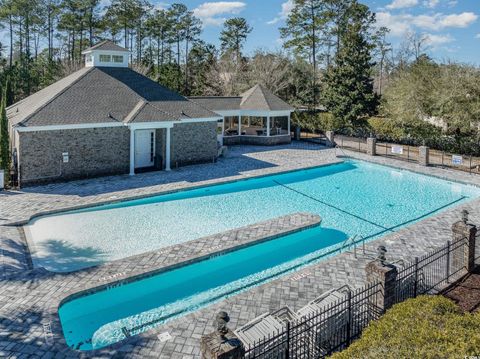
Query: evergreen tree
[234, 35]
[4, 139]
[348, 86]
[303, 32]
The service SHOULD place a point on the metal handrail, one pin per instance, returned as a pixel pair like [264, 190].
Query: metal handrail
[352, 241]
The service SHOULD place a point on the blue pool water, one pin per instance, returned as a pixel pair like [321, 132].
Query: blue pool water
[353, 198]
[100, 319]
[356, 198]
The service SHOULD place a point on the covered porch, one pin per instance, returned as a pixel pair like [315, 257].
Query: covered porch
[255, 127]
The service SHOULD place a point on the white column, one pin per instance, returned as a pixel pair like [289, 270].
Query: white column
[268, 125]
[239, 125]
[289, 123]
[167, 150]
[132, 152]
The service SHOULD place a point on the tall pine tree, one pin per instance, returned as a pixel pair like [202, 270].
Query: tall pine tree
[4, 139]
[348, 86]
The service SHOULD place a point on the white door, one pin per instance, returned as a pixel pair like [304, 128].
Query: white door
[144, 148]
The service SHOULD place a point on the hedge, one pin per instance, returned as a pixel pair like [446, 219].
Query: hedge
[425, 327]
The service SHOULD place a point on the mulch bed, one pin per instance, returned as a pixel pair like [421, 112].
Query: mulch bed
[466, 292]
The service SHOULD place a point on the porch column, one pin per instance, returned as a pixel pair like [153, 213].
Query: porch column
[132, 152]
[268, 126]
[240, 125]
[288, 124]
[167, 150]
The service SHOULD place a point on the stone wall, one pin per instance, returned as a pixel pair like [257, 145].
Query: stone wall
[92, 152]
[193, 143]
[256, 140]
[160, 147]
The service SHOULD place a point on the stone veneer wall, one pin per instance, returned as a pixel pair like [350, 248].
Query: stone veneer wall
[92, 152]
[160, 146]
[257, 140]
[193, 143]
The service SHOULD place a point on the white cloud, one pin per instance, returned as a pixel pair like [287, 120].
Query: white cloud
[460, 20]
[400, 24]
[401, 4]
[287, 7]
[437, 40]
[477, 36]
[210, 12]
[431, 3]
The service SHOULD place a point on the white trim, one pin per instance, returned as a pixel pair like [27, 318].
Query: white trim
[139, 125]
[132, 152]
[253, 113]
[67, 127]
[167, 150]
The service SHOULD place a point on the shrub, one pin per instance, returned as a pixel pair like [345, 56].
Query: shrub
[425, 327]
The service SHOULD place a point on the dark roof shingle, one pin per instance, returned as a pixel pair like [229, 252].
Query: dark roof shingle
[104, 94]
[106, 45]
[258, 98]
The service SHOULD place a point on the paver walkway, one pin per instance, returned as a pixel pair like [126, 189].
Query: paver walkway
[28, 298]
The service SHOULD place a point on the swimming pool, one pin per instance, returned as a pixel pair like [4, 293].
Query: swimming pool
[354, 197]
[106, 317]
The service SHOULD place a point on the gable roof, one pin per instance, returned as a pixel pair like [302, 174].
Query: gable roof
[258, 98]
[106, 45]
[104, 95]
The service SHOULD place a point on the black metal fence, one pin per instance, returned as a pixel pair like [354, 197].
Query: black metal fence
[410, 153]
[432, 272]
[323, 332]
[335, 326]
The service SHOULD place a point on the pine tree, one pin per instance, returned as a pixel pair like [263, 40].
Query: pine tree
[233, 36]
[348, 86]
[4, 139]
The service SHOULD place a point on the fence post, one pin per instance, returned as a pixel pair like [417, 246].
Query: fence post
[415, 284]
[222, 343]
[287, 354]
[462, 230]
[448, 262]
[424, 155]
[372, 146]
[385, 274]
[349, 322]
[330, 138]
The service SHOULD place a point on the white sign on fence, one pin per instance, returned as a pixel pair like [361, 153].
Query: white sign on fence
[457, 160]
[398, 150]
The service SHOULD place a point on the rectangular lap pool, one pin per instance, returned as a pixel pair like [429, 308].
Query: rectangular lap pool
[352, 198]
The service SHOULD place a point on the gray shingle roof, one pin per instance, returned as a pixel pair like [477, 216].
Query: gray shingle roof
[261, 98]
[258, 98]
[218, 103]
[106, 45]
[101, 95]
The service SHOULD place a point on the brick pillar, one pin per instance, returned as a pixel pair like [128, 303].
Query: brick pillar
[222, 343]
[330, 138]
[371, 146]
[424, 155]
[386, 275]
[462, 230]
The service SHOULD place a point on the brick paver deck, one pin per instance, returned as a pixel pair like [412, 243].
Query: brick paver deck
[29, 299]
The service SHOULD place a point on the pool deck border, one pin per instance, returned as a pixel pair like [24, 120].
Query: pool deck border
[41, 289]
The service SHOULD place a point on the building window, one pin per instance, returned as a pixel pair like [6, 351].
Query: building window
[105, 58]
[89, 58]
[117, 58]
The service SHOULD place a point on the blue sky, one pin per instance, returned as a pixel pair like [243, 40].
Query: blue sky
[452, 26]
